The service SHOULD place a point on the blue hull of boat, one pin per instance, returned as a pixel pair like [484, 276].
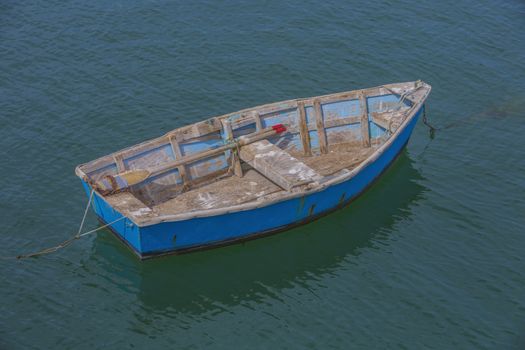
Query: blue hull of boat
[204, 232]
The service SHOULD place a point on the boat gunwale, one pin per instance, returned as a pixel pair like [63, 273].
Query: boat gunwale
[327, 98]
[281, 196]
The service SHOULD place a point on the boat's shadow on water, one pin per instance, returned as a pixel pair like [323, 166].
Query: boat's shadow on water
[200, 282]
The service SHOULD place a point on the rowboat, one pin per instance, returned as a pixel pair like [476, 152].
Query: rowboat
[251, 173]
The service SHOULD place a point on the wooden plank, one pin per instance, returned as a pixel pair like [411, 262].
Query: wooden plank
[352, 95]
[365, 128]
[143, 147]
[196, 130]
[203, 128]
[399, 92]
[228, 130]
[277, 107]
[251, 117]
[211, 176]
[320, 127]
[236, 162]
[175, 146]
[389, 121]
[277, 165]
[256, 116]
[331, 123]
[258, 122]
[119, 161]
[303, 129]
[342, 96]
[264, 109]
[97, 164]
[381, 120]
[243, 120]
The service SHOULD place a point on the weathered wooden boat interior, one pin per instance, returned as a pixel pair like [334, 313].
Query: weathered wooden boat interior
[324, 136]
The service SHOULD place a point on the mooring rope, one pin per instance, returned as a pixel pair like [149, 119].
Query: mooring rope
[431, 128]
[69, 240]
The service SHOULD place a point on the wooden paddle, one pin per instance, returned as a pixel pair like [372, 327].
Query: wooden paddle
[115, 183]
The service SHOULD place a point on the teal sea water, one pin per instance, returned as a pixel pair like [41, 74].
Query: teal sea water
[430, 257]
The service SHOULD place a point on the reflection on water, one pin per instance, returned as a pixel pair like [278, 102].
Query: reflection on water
[200, 282]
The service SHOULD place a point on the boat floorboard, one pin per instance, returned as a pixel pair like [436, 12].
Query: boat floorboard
[226, 192]
[234, 190]
[339, 157]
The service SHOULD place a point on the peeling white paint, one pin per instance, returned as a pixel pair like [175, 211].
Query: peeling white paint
[141, 211]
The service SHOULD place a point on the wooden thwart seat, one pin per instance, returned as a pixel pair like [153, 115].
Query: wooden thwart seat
[277, 165]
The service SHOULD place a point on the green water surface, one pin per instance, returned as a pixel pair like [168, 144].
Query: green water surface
[431, 257]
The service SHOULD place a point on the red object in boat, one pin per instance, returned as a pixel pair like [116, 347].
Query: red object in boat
[279, 128]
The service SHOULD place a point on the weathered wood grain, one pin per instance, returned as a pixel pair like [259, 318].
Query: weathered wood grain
[365, 127]
[323, 145]
[234, 157]
[331, 123]
[277, 165]
[119, 161]
[175, 146]
[303, 129]
[258, 122]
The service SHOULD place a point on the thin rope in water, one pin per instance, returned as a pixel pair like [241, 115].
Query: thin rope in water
[431, 128]
[70, 240]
